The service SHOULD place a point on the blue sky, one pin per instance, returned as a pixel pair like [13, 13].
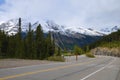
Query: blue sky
[2, 1]
[95, 14]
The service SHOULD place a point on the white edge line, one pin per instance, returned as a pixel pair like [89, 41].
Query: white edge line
[97, 70]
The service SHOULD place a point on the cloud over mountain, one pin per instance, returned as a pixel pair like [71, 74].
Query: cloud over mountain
[86, 13]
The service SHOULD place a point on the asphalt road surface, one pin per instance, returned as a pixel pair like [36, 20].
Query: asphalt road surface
[99, 68]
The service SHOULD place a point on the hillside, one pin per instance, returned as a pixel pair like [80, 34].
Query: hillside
[108, 45]
[111, 40]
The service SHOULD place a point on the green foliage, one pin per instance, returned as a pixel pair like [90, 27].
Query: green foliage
[33, 46]
[110, 41]
[29, 44]
[19, 42]
[113, 44]
[68, 54]
[78, 50]
[56, 58]
[87, 48]
[90, 55]
[57, 51]
[39, 42]
[109, 44]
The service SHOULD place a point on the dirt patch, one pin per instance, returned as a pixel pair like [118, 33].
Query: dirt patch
[11, 63]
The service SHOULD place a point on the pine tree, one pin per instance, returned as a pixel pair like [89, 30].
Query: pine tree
[29, 43]
[4, 44]
[1, 36]
[59, 51]
[11, 46]
[19, 42]
[39, 42]
[50, 45]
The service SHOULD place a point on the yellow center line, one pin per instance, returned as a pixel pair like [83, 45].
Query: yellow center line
[40, 71]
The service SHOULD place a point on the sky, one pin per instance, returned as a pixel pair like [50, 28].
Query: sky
[96, 14]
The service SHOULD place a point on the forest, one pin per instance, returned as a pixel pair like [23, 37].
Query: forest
[111, 41]
[34, 45]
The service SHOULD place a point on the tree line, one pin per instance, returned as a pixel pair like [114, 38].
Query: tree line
[35, 45]
[111, 41]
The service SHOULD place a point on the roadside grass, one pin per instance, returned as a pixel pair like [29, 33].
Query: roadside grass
[2, 57]
[68, 54]
[56, 58]
[90, 55]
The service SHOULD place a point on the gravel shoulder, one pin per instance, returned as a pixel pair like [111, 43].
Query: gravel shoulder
[11, 63]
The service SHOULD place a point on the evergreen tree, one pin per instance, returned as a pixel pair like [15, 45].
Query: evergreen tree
[1, 39]
[58, 51]
[11, 46]
[29, 39]
[50, 44]
[39, 42]
[19, 42]
[4, 44]
[32, 46]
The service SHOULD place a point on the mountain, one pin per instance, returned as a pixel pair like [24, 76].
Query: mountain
[107, 45]
[65, 37]
[51, 26]
[111, 40]
[11, 26]
[110, 30]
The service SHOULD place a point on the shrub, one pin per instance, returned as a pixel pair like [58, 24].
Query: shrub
[68, 54]
[56, 58]
[90, 55]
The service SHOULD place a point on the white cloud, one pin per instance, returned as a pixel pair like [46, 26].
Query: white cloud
[87, 13]
[26, 8]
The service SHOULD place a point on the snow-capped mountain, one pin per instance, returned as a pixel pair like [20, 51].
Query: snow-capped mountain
[110, 30]
[51, 26]
[11, 27]
[65, 37]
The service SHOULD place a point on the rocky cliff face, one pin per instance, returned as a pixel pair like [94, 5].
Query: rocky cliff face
[106, 51]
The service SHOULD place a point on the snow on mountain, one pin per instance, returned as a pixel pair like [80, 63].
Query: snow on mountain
[84, 31]
[11, 27]
[110, 30]
[51, 26]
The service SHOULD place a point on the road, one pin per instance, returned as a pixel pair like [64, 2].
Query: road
[99, 68]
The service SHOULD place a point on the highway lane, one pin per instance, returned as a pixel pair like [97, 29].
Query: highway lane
[99, 68]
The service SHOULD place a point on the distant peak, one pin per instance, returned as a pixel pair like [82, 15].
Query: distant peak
[11, 26]
[110, 30]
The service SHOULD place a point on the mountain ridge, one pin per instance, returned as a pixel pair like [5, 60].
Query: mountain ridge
[65, 37]
[11, 26]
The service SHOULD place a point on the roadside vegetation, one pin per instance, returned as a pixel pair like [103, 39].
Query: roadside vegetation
[90, 55]
[79, 51]
[108, 45]
[36, 45]
[110, 41]
[56, 58]
[30, 45]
